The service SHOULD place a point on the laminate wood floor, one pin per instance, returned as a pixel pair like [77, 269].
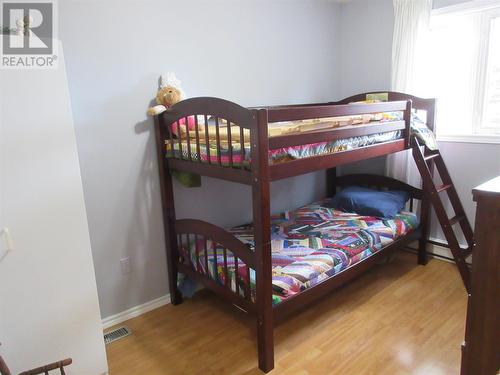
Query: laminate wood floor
[399, 318]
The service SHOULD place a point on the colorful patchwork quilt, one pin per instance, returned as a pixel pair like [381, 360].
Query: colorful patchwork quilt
[211, 154]
[308, 245]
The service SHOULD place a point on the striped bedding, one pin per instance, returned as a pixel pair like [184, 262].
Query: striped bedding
[309, 245]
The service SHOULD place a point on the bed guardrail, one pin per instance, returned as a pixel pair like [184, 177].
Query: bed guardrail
[283, 113]
[428, 105]
[208, 122]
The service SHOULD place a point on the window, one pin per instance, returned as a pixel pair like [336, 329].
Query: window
[461, 68]
[491, 101]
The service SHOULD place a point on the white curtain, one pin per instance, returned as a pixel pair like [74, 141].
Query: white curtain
[411, 22]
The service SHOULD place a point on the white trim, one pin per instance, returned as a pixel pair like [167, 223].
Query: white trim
[486, 139]
[466, 7]
[440, 250]
[443, 251]
[135, 311]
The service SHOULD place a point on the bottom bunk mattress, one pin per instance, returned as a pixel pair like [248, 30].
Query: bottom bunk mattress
[308, 245]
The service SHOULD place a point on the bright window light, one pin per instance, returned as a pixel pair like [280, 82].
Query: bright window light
[491, 113]
[460, 66]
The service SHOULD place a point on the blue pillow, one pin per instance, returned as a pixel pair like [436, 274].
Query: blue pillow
[369, 202]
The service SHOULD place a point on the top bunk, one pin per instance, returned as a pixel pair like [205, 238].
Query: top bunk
[217, 138]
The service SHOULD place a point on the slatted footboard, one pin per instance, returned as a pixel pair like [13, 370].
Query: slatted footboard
[217, 259]
[209, 136]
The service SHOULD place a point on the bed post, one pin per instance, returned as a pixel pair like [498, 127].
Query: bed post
[168, 209]
[262, 235]
[425, 226]
[425, 208]
[331, 176]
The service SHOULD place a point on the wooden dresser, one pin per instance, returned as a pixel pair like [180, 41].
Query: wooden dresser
[481, 350]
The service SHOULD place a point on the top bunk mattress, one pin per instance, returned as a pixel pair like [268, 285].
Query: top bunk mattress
[212, 155]
[230, 145]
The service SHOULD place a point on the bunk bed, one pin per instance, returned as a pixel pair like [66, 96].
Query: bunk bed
[255, 146]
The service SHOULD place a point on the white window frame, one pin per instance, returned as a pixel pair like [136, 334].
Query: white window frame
[491, 9]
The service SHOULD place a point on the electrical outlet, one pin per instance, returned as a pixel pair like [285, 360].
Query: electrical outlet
[125, 266]
[9, 246]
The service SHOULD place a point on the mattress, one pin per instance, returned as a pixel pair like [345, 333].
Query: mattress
[180, 149]
[309, 245]
[230, 144]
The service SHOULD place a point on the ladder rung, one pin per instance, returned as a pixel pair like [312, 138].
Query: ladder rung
[431, 156]
[443, 187]
[456, 219]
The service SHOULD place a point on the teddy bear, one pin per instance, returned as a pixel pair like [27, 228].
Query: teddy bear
[169, 93]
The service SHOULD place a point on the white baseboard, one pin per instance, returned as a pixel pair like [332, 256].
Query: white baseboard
[439, 250]
[135, 311]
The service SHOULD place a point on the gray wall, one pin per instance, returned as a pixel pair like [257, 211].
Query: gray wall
[251, 52]
[366, 45]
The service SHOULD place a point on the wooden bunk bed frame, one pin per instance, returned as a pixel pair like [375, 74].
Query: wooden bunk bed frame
[259, 175]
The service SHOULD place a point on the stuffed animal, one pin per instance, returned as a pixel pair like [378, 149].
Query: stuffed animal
[170, 92]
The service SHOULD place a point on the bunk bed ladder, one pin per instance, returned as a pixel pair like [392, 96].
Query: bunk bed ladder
[424, 160]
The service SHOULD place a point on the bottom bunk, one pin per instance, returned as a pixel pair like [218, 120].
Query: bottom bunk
[304, 254]
[309, 245]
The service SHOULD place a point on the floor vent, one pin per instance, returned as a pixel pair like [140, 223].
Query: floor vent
[116, 334]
